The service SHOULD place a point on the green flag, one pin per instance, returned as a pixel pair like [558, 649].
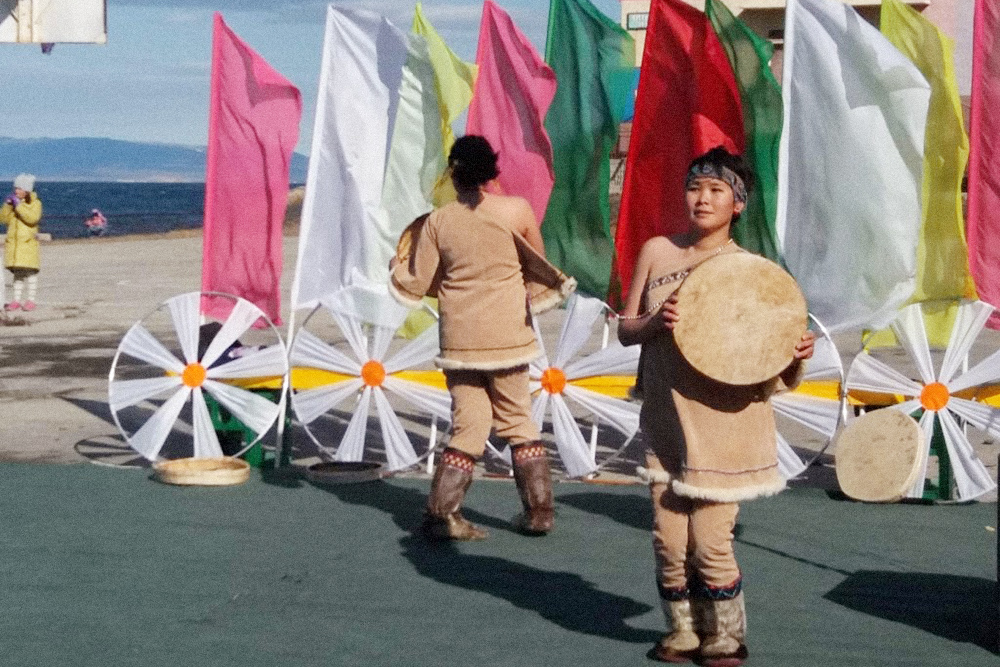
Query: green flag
[594, 59]
[749, 54]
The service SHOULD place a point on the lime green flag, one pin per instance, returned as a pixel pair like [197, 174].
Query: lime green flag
[594, 60]
[750, 55]
[942, 255]
[454, 80]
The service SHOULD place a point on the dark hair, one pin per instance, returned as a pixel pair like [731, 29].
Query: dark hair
[720, 157]
[472, 161]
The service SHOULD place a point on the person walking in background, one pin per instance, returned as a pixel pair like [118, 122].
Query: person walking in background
[21, 212]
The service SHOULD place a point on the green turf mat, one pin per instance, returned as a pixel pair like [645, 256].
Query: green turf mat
[106, 567]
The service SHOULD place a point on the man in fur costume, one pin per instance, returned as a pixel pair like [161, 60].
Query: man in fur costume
[482, 256]
[710, 445]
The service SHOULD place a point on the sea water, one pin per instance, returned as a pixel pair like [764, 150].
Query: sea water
[130, 208]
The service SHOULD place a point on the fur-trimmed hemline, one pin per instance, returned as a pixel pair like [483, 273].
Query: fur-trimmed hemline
[567, 287]
[456, 365]
[733, 495]
[653, 476]
[402, 298]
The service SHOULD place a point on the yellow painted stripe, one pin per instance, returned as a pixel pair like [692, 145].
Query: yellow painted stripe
[615, 386]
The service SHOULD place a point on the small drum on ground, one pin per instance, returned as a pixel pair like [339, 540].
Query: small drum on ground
[740, 318]
[878, 457]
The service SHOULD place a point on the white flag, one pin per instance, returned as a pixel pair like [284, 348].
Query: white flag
[360, 77]
[416, 159]
[39, 21]
[851, 165]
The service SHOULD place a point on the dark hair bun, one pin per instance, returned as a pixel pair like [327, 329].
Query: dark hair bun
[472, 161]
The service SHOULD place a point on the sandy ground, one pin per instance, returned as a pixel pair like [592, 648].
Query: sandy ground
[54, 367]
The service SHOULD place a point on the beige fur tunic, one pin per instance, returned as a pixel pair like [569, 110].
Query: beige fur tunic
[474, 264]
[712, 441]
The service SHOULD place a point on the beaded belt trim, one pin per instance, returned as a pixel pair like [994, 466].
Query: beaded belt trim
[457, 459]
[700, 589]
[523, 453]
[671, 594]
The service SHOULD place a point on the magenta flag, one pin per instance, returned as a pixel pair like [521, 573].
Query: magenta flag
[983, 226]
[512, 95]
[253, 126]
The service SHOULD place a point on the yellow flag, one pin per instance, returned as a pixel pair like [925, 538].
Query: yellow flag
[942, 255]
[455, 80]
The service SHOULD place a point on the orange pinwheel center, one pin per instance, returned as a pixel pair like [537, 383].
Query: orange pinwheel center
[553, 380]
[194, 375]
[934, 396]
[373, 373]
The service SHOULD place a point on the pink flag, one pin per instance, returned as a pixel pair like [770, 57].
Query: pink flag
[253, 126]
[983, 226]
[513, 92]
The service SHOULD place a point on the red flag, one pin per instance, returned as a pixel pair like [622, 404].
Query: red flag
[513, 92]
[983, 227]
[687, 104]
[253, 127]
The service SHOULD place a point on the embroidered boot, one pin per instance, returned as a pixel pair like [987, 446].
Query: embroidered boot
[681, 643]
[534, 484]
[722, 625]
[443, 518]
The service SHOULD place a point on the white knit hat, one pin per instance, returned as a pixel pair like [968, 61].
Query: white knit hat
[25, 182]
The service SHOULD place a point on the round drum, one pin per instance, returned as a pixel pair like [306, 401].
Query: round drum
[878, 456]
[740, 318]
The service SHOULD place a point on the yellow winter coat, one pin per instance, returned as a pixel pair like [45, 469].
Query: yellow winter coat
[21, 248]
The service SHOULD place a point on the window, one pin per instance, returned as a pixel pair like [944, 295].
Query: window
[637, 21]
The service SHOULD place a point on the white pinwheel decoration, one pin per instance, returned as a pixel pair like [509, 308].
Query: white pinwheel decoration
[941, 396]
[162, 374]
[819, 403]
[368, 319]
[560, 381]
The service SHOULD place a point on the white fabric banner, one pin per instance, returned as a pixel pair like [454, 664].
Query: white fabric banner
[851, 165]
[360, 77]
[416, 160]
[38, 21]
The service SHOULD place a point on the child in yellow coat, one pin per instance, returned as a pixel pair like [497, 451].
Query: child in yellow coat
[21, 213]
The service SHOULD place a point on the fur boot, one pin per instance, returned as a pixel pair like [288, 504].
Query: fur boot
[722, 625]
[534, 484]
[443, 517]
[681, 643]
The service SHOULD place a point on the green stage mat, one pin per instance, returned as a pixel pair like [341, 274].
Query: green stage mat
[107, 567]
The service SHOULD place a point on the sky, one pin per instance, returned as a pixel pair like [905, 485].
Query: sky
[150, 82]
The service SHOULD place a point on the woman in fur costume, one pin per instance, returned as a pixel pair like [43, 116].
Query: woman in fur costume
[483, 258]
[710, 445]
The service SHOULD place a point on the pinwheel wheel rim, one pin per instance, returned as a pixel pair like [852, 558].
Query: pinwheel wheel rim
[181, 387]
[378, 387]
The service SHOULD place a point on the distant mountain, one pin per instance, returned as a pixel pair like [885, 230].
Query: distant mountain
[92, 159]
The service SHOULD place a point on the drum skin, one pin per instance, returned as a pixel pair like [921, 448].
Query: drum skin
[878, 456]
[740, 318]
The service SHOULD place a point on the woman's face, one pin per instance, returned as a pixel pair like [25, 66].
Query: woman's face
[21, 194]
[711, 205]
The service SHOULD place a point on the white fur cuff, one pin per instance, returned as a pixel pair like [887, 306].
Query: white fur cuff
[653, 476]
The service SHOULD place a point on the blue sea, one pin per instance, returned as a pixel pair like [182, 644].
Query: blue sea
[131, 208]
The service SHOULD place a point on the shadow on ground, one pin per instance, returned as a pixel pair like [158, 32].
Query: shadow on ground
[562, 598]
[957, 608]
